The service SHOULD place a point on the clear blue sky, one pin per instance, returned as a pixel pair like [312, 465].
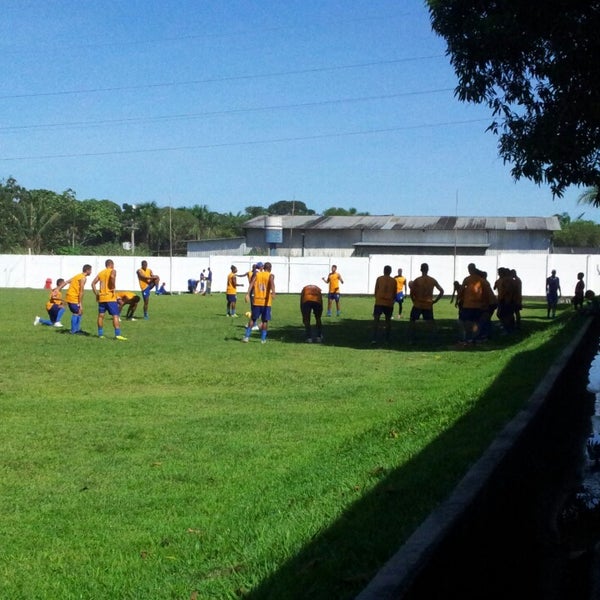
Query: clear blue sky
[232, 104]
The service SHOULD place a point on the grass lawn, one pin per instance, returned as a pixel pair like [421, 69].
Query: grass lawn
[184, 464]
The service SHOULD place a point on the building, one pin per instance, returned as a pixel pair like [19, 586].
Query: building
[367, 235]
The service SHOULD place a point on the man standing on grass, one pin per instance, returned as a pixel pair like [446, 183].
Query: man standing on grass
[421, 294]
[74, 297]
[333, 279]
[147, 281]
[231, 291]
[385, 298]
[106, 297]
[400, 290]
[263, 286]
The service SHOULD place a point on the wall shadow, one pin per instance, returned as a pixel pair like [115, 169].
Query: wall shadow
[508, 550]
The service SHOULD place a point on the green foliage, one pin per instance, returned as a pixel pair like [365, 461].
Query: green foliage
[342, 212]
[534, 64]
[289, 207]
[578, 234]
[184, 464]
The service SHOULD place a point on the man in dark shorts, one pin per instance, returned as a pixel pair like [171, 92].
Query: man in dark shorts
[311, 302]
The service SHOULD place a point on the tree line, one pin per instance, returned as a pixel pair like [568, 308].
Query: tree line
[46, 222]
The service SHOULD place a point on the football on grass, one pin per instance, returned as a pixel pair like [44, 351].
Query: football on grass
[248, 314]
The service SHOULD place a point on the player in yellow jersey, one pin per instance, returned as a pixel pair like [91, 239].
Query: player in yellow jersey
[231, 291]
[74, 297]
[333, 279]
[311, 302]
[107, 299]
[130, 300]
[54, 307]
[147, 280]
[385, 297]
[263, 286]
[400, 291]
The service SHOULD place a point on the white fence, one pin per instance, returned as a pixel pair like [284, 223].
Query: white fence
[292, 273]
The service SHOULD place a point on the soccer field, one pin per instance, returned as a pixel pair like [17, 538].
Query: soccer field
[185, 464]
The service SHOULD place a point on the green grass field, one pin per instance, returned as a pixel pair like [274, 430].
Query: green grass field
[184, 464]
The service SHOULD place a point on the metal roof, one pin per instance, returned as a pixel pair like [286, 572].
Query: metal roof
[412, 223]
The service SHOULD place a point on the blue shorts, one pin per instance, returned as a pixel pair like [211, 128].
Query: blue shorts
[112, 308]
[231, 298]
[309, 307]
[261, 312]
[335, 296]
[146, 292]
[54, 312]
[74, 308]
[380, 309]
[426, 313]
[400, 297]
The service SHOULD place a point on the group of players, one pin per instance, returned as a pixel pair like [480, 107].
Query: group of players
[108, 298]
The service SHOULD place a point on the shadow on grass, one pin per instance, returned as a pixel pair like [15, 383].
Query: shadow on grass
[340, 560]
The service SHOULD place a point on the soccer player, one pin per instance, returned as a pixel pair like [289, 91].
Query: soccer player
[74, 297]
[231, 291]
[333, 279]
[553, 292]
[386, 288]
[130, 300]
[421, 294]
[400, 290]
[54, 307]
[311, 302]
[147, 281]
[263, 285]
[107, 299]
[472, 299]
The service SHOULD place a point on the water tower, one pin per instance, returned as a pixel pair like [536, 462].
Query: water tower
[273, 232]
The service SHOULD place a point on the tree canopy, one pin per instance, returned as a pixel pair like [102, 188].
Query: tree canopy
[535, 64]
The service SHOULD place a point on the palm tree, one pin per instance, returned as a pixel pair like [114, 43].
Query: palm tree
[591, 197]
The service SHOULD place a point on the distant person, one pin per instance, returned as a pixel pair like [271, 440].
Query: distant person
[333, 279]
[400, 291]
[231, 292]
[74, 297]
[162, 290]
[592, 304]
[208, 282]
[386, 288]
[131, 301]
[263, 283]
[518, 298]
[579, 292]
[54, 307]
[107, 299]
[455, 290]
[311, 303]
[147, 280]
[553, 292]
[421, 294]
[202, 281]
[192, 286]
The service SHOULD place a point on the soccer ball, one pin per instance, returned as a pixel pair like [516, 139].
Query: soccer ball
[248, 314]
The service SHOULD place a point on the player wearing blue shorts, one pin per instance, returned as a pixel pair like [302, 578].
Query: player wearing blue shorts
[107, 299]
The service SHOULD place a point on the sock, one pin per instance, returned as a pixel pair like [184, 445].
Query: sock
[117, 331]
[61, 312]
[248, 331]
[100, 331]
[73, 323]
[263, 334]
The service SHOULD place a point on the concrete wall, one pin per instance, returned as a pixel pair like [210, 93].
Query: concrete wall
[292, 273]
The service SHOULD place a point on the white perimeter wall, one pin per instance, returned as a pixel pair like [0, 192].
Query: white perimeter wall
[292, 273]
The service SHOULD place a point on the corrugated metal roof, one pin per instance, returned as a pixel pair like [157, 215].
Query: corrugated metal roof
[445, 223]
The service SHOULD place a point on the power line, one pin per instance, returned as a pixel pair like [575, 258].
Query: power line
[221, 79]
[231, 111]
[245, 143]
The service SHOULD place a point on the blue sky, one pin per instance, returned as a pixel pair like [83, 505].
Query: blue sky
[236, 103]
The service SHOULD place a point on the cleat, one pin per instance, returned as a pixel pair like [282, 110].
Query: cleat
[146, 317]
[319, 339]
[245, 340]
[235, 316]
[101, 337]
[120, 338]
[36, 321]
[309, 340]
[263, 341]
[58, 324]
[256, 328]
